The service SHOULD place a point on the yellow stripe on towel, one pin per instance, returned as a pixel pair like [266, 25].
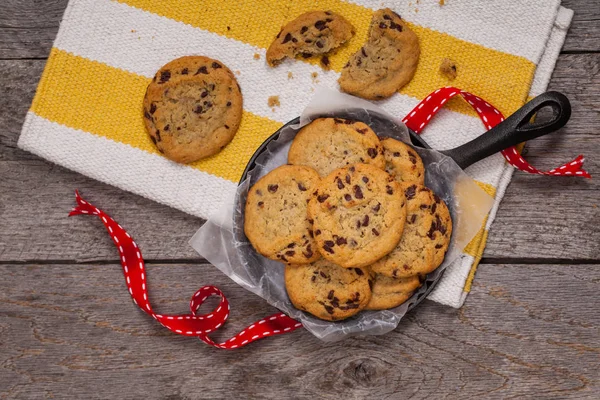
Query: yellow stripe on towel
[503, 78]
[108, 103]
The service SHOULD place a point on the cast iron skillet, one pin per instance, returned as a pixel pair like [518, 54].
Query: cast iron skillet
[515, 129]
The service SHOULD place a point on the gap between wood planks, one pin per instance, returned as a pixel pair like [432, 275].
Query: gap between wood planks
[485, 260]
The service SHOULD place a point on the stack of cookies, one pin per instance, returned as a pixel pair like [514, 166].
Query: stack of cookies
[350, 218]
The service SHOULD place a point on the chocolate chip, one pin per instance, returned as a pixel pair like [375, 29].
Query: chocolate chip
[406, 267]
[319, 44]
[287, 38]
[389, 190]
[340, 241]
[340, 184]
[358, 192]
[348, 179]
[304, 29]
[152, 108]
[273, 188]
[359, 62]
[423, 206]
[397, 27]
[439, 246]
[228, 28]
[291, 245]
[396, 154]
[198, 109]
[365, 221]
[358, 224]
[294, 40]
[320, 25]
[375, 232]
[362, 131]
[442, 229]
[352, 169]
[185, 71]
[153, 139]
[167, 127]
[323, 274]
[204, 94]
[437, 199]
[329, 243]
[311, 221]
[283, 258]
[329, 309]
[226, 126]
[353, 243]
[410, 192]
[322, 198]
[395, 273]
[432, 230]
[318, 232]
[148, 116]
[259, 192]
[202, 70]
[433, 208]
[260, 204]
[279, 34]
[330, 295]
[338, 121]
[328, 249]
[306, 55]
[365, 179]
[362, 50]
[377, 207]
[385, 16]
[382, 25]
[228, 104]
[413, 218]
[308, 253]
[301, 187]
[311, 234]
[335, 302]
[208, 104]
[290, 253]
[158, 135]
[325, 61]
[165, 76]
[372, 152]
[347, 197]
[313, 278]
[359, 271]
[307, 41]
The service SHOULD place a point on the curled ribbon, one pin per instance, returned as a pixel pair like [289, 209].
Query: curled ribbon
[420, 116]
[190, 324]
[202, 325]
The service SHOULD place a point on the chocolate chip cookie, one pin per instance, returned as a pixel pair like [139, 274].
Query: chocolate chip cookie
[275, 215]
[358, 215]
[391, 292]
[330, 143]
[326, 290]
[312, 33]
[385, 63]
[403, 162]
[192, 108]
[425, 239]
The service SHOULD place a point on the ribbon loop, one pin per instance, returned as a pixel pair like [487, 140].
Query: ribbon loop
[420, 116]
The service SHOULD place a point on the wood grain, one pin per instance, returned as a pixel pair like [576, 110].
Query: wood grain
[73, 332]
[539, 217]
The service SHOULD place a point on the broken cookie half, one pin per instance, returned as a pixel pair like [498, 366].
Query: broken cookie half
[312, 33]
[385, 63]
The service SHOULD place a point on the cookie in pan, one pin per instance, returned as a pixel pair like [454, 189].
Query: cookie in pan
[326, 290]
[403, 162]
[391, 292]
[312, 33]
[192, 108]
[386, 62]
[425, 239]
[275, 215]
[358, 214]
[330, 143]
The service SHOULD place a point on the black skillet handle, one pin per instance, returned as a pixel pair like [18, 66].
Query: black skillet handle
[515, 129]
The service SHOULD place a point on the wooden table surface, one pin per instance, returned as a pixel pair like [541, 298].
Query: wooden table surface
[68, 329]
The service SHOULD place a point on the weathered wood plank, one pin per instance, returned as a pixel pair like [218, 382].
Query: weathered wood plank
[72, 332]
[28, 28]
[538, 218]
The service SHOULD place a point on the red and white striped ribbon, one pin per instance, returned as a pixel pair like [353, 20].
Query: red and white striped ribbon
[420, 116]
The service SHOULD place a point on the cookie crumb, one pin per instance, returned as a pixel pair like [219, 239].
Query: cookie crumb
[256, 56]
[448, 69]
[228, 28]
[325, 62]
[133, 31]
[274, 102]
[441, 2]
[290, 75]
[314, 75]
[237, 72]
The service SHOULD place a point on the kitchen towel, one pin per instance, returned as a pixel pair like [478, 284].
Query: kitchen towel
[87, 113]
